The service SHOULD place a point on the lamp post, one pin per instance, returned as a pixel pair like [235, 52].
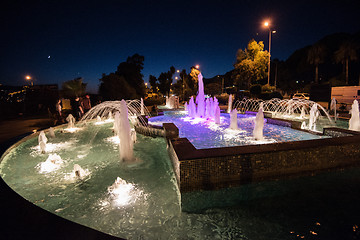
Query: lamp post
[267, 24]
[29, 78]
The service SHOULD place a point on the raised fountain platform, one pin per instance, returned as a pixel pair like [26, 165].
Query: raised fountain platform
[216, 168]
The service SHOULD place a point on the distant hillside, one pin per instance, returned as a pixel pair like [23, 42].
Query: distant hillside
[297, 73]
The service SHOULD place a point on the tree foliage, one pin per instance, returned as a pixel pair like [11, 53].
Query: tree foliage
[153, 83]
[165, 81]
[316, 56]
[347, 52]
[127, 81]
[115, 87]
[251, 64]
[74, 88]
[194, 73]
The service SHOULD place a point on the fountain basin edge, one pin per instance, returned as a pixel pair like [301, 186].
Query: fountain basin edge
[216, 168]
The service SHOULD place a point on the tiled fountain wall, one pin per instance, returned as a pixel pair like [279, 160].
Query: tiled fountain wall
[208, 169]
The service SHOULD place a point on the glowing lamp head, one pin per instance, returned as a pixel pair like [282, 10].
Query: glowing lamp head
[197, 66]
[28, 77]
[266, 24]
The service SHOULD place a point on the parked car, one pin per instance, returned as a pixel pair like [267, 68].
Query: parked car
[305, 96]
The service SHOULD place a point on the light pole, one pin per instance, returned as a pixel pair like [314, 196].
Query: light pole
[267, 24]
[29, 78]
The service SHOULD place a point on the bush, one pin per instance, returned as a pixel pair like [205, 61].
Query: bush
[154, 101]
[255, 90]
[276, 95]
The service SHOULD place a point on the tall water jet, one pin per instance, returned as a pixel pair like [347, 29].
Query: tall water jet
[71, 120]
[314, 114]
[229, 104]
[233, 119]
[42, 146]
[51, 132]
[333, 108]
[354, 122]
[42, 137]
[200, 98]
[124, 133]
[42, 142]
[142, 112]
[192, 108]
[217, 115]
[259, 124]
[302, 114]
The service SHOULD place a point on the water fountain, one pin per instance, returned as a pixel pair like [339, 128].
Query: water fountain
[142, 112]
[203, 108]
[71, 120]
[217, 115]
[259, 124]
[291, 109]
[79, 173]
[42, 142]
[229, 104]
[52, 163]
[143, 201]
[172, 102]
[314, 114]
[51, 132]
[124, 133]
[354, 122]
[333, 108]
[233, 120]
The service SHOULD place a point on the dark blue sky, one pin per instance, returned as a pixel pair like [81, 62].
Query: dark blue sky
[56, 41]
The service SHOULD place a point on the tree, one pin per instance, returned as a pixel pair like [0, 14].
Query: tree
[346, 53]
[127, 81]
[153, 83]
[74, 88]
[115, 87]
[188, 85]
[315, 57]
[131, 71]
[165, 80]
[194, 73]
[251, 64]
[213, 88]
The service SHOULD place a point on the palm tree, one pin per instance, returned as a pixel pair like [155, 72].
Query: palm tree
[315, 57]
[347, 52]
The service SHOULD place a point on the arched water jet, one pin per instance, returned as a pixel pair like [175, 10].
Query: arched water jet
[286, 108]
[106, 109]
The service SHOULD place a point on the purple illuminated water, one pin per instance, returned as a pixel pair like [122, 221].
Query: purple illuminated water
[204, 133]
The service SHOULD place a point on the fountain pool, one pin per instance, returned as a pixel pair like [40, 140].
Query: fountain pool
[203, 133]
[149, 206]
[88, 183]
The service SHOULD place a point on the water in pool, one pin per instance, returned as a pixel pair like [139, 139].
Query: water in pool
[319, 207]
[204, 133]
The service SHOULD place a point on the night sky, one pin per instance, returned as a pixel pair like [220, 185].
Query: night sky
[56, 41]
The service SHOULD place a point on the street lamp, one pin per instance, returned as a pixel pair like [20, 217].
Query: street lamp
[29, 78]
[267, 24]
